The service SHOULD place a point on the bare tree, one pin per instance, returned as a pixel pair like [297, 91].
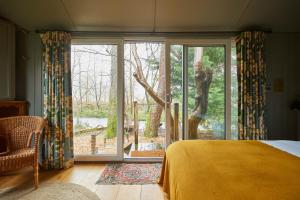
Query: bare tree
[203, 78]
[80, 85]
[154, 88]
[95, 84]
[158, 96]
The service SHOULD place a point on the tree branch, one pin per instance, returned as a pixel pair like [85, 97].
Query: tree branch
[139, 77]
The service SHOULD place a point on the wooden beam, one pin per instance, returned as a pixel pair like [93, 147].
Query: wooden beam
[136, 122]
[176, 122]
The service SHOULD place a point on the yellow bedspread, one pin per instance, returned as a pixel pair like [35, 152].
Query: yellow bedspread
[200, 170]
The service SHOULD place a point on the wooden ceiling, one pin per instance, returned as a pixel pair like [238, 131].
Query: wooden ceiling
[153, 15]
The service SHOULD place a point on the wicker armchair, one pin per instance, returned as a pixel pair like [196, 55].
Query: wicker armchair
[23, 133]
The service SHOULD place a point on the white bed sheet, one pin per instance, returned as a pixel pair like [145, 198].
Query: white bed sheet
[292, 147]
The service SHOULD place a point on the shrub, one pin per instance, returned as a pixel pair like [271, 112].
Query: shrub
[148, 130]
[111, 131]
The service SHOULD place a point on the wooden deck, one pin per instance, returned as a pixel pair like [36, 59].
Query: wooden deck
[147, 150]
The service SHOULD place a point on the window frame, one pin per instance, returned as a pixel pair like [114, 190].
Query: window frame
[120, 41]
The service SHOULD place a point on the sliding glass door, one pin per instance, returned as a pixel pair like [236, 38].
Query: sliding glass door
[199, 90]
[144, 84]
[206, 92]
[97, 100]
[132, 98]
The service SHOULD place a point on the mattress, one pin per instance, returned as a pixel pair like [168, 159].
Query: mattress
[203, 169]
[292, 147]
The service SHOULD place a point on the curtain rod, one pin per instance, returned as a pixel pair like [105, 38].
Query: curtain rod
[158, 34]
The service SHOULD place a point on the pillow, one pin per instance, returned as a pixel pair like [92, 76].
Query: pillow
[4, 147]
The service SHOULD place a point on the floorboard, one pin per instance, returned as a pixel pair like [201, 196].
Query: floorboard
[85, 175]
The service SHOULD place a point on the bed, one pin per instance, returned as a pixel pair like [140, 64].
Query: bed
[199, 169]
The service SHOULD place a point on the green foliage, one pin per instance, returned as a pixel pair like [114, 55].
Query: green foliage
[148, 131]
[79, 127]
[234, 95]
[111, 130]
[93, 111]
[153, 63]
[213, 58]
[216, 55]
[176, 75]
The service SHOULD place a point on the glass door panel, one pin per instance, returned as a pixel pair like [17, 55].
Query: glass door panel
[94, 87]
[234, 95]
[144, 117]
[206, 92]
[176, 62]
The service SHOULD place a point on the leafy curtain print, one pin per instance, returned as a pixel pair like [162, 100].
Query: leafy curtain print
[251, 85]
[57, 149]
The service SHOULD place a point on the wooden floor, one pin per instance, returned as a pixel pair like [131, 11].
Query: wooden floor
[85, 175]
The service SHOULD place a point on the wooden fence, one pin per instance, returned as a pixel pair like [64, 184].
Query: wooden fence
[175, 134]
[135, 128]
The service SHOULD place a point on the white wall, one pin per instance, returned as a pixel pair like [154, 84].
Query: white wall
[283, 62]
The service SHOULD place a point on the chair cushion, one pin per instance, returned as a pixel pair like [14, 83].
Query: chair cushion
[4, 145]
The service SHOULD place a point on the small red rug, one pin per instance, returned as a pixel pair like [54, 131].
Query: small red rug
[130, 174]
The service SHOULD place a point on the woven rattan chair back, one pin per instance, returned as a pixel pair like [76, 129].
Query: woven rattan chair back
[19, 130]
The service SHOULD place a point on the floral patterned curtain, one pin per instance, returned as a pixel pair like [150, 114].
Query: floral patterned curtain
[251, 85]
[57, 150]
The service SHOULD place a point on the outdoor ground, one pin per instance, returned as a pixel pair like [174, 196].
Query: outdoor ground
[82, 143]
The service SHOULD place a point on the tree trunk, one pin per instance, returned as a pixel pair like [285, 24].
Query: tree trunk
[100, 89]
[140, 78]
[131, 91]
[80, 87]
[158, 96]
[113, 76]
[155, 114]
[95, 85]
[112, 116]
[203, 80]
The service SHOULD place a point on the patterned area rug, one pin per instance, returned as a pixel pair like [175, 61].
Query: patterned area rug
[130, 174]
[54, 191]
